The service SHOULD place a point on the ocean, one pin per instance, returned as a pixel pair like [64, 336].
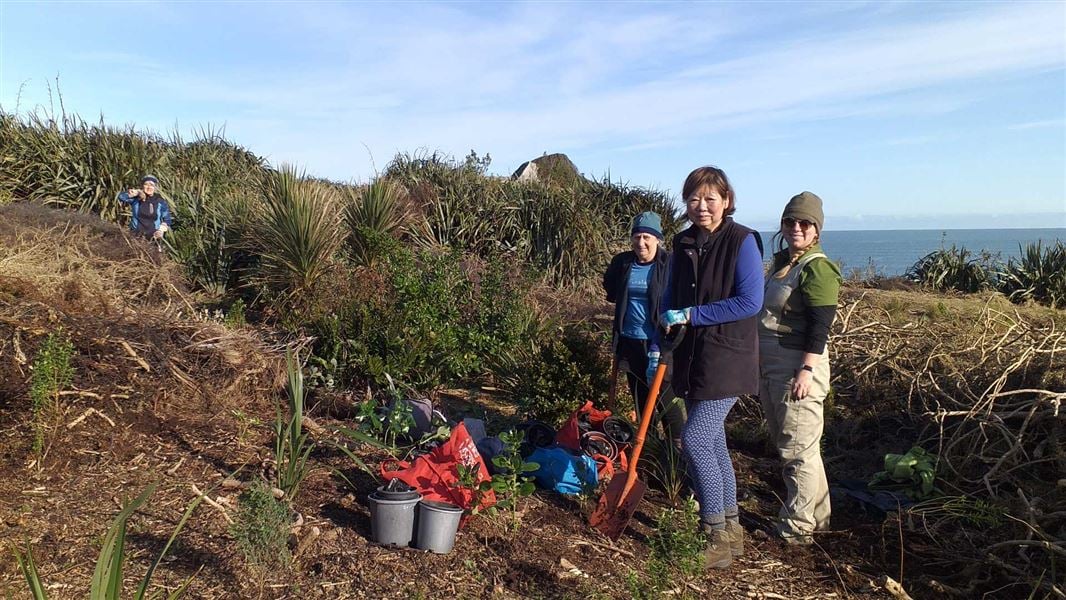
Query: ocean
[891, 252]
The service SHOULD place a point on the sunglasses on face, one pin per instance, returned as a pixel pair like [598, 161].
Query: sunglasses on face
[804, 224]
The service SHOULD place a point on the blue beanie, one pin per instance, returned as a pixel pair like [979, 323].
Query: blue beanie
[148, 178]
[648, 222]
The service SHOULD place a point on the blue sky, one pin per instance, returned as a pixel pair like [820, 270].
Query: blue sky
[897, 114]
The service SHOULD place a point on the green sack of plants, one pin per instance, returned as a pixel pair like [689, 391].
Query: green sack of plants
[913, 473]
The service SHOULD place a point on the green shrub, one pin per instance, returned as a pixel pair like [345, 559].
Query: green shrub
[555, 371]
[51, 372]
[296, 234]
[423, 317]
[1038, 275]
[676, 553]
[262, 528]
[209, 237]
[512, 481]
[954, 269]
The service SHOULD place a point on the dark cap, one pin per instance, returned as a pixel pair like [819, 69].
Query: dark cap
[148, 178]
[805, 206]
[648, 222]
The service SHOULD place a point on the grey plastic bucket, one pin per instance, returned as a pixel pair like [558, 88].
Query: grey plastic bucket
[437, 524]
[392, 522]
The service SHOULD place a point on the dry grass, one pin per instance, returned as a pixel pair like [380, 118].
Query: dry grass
[985, 380]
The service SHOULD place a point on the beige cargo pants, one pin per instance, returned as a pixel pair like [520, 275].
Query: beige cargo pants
[796, 430]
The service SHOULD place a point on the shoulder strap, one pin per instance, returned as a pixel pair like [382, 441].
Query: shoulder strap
[806, 258]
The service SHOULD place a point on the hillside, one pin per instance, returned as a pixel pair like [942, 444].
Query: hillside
[163, 391]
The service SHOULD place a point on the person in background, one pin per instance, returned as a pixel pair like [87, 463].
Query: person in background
[634, 282]
[149, 212]
[799, 307]
[715, 288]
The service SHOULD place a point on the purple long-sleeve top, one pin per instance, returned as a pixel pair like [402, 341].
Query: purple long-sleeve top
[747, 282]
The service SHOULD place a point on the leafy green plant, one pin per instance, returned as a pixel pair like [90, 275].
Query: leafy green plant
[1038, 275]
[291, 444]
[235, 315]
[107, 577]
[676, 553]
[51, 372]
[511, 482]
[545, 375]
[261, 527]
[469, 478]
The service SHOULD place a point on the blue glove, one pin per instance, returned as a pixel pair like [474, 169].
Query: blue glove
[671, 318]
[653, 364]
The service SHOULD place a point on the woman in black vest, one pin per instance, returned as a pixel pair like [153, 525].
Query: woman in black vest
[715, 287]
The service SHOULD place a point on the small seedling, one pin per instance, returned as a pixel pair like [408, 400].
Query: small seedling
[51, 373]
[511, 482]
[262, 528]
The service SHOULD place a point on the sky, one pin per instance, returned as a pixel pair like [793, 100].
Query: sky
[898, 114]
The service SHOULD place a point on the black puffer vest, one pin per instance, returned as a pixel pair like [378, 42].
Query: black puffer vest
[718, 361]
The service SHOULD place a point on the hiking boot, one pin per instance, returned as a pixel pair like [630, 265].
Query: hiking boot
[736, 537]
[794, 538]
[718, 555]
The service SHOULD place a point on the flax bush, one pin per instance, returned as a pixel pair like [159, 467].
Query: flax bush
[107, 576]
[1038, 275]
[954, 269]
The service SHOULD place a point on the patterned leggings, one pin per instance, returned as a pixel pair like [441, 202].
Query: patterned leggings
[709, 464]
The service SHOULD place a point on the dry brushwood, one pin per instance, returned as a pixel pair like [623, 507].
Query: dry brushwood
[987, 387]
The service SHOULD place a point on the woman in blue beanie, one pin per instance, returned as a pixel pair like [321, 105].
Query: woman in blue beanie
[715, 288]
[634, 282]
[149, 212]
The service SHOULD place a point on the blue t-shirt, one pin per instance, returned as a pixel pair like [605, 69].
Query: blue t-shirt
[635, 322]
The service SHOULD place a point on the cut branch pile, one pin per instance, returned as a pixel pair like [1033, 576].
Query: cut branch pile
[986, 387]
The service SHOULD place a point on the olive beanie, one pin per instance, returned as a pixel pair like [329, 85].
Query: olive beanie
[805, 206]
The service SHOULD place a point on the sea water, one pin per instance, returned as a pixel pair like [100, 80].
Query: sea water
[891, 252]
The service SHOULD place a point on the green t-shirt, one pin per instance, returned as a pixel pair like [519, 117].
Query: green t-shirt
[819, 285]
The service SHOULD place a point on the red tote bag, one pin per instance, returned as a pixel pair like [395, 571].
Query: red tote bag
[435, 475]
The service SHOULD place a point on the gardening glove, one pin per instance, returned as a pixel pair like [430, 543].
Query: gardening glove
[653, 364]
[672, 318]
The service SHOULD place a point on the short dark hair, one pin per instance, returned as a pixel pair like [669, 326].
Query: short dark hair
[712, 177]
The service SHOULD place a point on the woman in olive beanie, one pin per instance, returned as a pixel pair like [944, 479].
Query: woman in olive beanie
[799, 306]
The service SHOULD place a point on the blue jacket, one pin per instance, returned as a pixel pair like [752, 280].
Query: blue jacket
[161, 216]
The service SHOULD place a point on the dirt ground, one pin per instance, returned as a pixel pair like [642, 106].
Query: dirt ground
[179, 399]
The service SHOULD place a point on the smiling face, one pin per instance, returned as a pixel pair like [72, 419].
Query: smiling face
[644, 246]
[706, 208]
[148, 187]
[799, 234]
